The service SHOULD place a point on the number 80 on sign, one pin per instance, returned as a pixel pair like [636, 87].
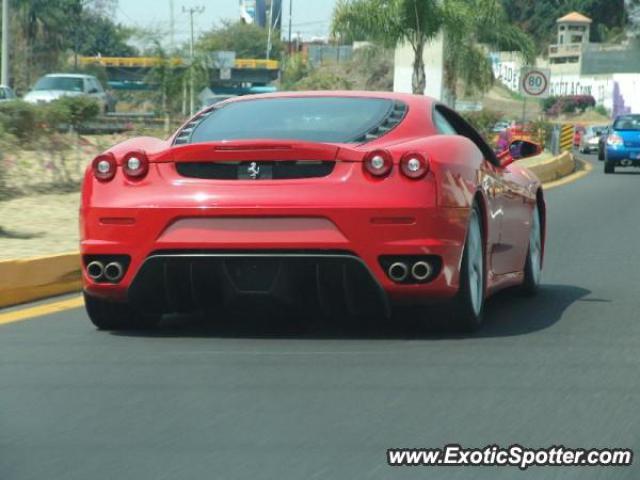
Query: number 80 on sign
[534, 82]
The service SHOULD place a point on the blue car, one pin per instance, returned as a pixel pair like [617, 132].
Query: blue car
[623, 144]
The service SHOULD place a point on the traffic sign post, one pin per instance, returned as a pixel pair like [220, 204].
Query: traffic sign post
[534, 82]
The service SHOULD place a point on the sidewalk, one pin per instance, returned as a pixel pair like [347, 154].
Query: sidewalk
[39, 225]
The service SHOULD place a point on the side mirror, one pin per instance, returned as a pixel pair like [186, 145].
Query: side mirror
[519, 149]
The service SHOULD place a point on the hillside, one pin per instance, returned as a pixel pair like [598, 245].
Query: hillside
[610, 17]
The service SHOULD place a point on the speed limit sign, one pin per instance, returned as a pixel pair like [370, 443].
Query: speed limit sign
[534, 82]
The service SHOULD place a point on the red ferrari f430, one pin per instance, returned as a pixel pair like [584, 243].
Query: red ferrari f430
[341, 202]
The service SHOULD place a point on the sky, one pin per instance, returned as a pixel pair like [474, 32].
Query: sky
[310, 17]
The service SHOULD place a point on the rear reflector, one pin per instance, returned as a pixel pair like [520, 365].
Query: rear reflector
[393, 220]
[117, 221]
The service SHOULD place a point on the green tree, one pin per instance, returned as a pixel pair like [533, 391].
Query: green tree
[539, 18]
[99, 35]
[390, 22]
[465, 24]
[470, 27]
[43, 31]
[247, 40]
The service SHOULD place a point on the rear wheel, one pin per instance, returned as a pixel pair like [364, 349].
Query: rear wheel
[469, 303]
[533, 263]
[609, 167]
[106, 315]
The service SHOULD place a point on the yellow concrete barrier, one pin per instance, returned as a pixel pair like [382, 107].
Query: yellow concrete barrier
[31, 279]
[554, 168]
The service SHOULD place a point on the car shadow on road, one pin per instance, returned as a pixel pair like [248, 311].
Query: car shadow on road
[507, 314]
[511, 314]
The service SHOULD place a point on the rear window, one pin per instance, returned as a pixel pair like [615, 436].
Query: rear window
[628, 122]
[67, 84]
[318, 119]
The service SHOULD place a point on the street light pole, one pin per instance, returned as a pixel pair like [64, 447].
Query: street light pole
[191, 11]
[5, 43]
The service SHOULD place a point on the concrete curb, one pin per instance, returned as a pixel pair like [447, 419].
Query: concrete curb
[29, 279]
[554, 168]
[25, 280]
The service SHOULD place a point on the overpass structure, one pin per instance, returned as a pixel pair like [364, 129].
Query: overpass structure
[131, 73]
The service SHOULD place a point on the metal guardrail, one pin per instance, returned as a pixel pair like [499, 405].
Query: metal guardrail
[137, 62]
[150, 62]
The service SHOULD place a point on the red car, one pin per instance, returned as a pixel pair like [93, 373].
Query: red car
[341, 202]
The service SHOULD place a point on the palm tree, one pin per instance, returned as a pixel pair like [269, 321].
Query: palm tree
[45, 27]
[465, 24]
[470, 28]
[390, 22]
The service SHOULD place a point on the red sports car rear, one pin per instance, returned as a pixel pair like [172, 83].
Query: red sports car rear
[340, 202]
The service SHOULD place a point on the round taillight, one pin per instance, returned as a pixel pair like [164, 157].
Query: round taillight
[414, 165]
[104, 167]
[378, 163]
[135, 165]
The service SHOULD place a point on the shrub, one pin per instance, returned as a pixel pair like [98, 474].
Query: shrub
[483, 121]
[568, 104]
[296, 68]
[323, 80]
[540, 131]
[602, 110]
[19, 118]
[70, 111]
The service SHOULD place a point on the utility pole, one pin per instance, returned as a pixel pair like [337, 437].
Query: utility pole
[191, 11]
[5, 43]
[172, 29]
[290, 17]
[270, 30]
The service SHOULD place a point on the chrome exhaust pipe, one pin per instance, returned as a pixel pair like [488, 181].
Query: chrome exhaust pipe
[398, 272]
[95, 270]
[420, 271]
[113, 272]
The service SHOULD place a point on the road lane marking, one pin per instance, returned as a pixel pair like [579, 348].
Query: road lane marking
[40, 310]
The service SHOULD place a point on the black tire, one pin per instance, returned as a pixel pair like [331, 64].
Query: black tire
[466, 316]
[107, 315]
[609, 167]
[532, 272]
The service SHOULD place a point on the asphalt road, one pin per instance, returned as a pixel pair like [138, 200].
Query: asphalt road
[284, 401]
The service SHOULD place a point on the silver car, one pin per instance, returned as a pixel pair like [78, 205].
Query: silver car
[57, 85]
[6, 93]
[590, 138]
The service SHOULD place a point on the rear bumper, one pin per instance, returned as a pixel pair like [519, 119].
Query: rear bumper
[333, 282]
[620, 154]
[184, 239]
